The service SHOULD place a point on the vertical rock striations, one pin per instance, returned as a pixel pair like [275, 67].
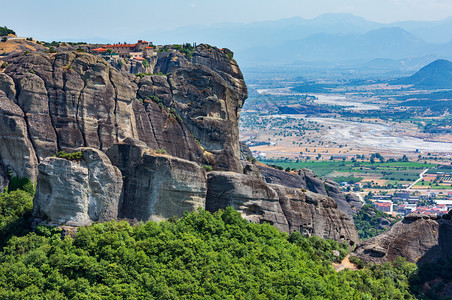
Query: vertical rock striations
[289, 209]
[78, 193]
[72, 99]
[306, 179]
[157, 131]
[156, 186]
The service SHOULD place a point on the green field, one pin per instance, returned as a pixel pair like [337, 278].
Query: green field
[391, 171]
[434, 186]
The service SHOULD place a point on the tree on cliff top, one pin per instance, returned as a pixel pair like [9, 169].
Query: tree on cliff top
[5, 31]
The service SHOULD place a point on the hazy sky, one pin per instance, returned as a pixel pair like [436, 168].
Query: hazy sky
[63, 19]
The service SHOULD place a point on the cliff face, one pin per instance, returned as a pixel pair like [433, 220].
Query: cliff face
[78, 193]
[68, 100]
[306, 179]
[144, 140]
[419, 238]
[289, 209]
[156, 186]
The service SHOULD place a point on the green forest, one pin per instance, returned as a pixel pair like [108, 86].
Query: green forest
[198, 256]
[367, 222]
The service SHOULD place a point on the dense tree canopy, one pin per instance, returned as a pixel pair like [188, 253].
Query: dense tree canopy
[367, 222]
[200, 256]
[16, 203]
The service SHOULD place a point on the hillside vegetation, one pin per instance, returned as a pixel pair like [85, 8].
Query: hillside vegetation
[368, 222]
[200, 256]
[16, 203]
[5, 31]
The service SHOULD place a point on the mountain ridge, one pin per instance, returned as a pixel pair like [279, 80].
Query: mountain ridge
[436, 75]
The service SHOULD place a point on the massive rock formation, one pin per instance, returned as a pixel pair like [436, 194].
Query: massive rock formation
[289, 209]
[67, 100]
[156, 186]
[418, 238]
[78, 193]
[157, 130]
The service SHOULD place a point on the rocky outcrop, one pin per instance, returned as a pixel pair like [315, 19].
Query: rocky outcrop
[253, 198]
[314, 183]
[354, 202]
[306, 179]
[71, 99]
[156, 186]
[288, 209]
[315, 214]
[289, 179]
[333, 190]
[245, 152]
[158, 130]
[78, 193]
[418, 238]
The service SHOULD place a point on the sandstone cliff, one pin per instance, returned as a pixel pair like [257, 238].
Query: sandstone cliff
[156, 186]
[135, 182]
[157, 132]
[289, 209]
[78, 193]
[418, 238]
[306, 179]
[52, 102]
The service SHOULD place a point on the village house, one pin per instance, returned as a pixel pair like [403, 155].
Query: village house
[386, 207]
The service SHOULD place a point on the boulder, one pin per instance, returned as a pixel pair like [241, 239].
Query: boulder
[418, 238]
[78, 193]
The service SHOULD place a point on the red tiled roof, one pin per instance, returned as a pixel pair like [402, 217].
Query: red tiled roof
[383, 204]
[100, 49]
[138, 58]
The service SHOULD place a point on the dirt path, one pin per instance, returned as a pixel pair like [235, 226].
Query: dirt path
[345, 264]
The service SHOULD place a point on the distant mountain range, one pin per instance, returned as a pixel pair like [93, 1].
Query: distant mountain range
[436, 75]
[327, 38]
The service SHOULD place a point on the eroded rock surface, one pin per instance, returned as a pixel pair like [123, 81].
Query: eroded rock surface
[354, 202]
[288, 209]
[67, 100]
[157, 186]
[78, 193]
[315, 214]
[418, 238]
[306, 179]
[252, 197]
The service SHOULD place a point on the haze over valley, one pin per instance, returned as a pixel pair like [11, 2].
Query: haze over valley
[226, 150]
